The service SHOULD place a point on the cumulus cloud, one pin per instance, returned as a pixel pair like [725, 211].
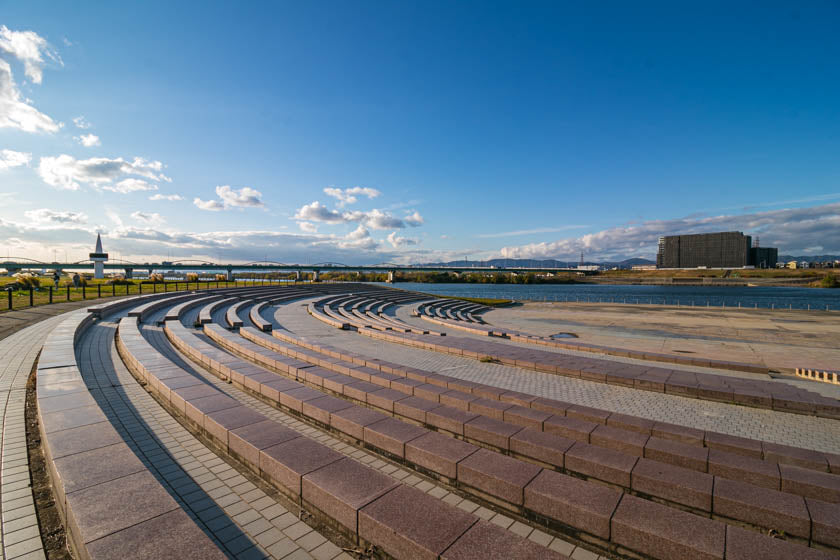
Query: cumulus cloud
[245, 197]
[397, 242]
[17, 112]
[152, 218]
[349, 196]
[308, 227]
[30, 49]
[317, 212]
[88, 140]
[11, 158]
[359, 238]
[414, 219]
[66, 172]
[171, 197]
[81, 123]
[791, 230]
[210, 205]
[47, 216]
[373, 219]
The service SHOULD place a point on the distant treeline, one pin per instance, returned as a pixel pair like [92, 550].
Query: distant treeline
[449, 278]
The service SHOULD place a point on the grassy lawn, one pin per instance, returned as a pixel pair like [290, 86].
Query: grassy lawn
[490, 302]
[96, 288]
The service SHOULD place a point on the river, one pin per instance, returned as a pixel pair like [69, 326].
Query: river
[759, 297]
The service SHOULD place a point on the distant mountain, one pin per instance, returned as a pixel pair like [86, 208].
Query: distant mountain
[809, 258]
[539, 263]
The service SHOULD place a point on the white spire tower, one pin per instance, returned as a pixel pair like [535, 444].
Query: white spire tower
[98, 257]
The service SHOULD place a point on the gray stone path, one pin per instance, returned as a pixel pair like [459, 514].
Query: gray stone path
[768, 425]
[21, 537]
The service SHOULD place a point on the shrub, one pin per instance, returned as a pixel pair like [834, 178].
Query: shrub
[156, 277]
[829, 281]
[192, 277]
[221, 278]
[119, 280]
[26, 280]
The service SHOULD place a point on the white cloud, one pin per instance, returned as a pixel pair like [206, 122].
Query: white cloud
[28, 47]
[317, 212]
[373, 219]
[47, 216]
[166, 197]
[359, 238]
[66, 172]
[114, 217]
[791, 230]
[16, 112]
[245, 197]
[81, 123]
[377, 219]
[130, 185]
[348, 196]
[211, 205]
[11, 158]
[397, 242]
[414, 219]
[308, 227]
[151, 218]
[88, 140]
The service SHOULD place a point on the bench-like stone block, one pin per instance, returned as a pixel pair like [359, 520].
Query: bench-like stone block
[796, 456]
[631, 443]
[286, 463]
[352, 421]
[769, 509]
[542, 446]
[825, 522]
[449, 419]
[745, 469]
[248, 441]
[676, 484]
[490, 431]
[659, 531]
[810, 483]
[572, 428]
[497, 475]
[742, 544]
[597, 462]
[406, 523]
[391, 435]
[438, 453]
[583, 505]
[676, 453]
[341, 488]
[487, 541]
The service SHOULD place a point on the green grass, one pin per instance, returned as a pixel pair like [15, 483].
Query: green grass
[41, 296]
[489, 302]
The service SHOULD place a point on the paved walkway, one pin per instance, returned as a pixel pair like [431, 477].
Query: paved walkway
[17, 319]
[243, 520]
[21, 537]
[371, 459]
[777, 427]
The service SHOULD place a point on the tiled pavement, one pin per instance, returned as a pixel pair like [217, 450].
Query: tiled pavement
[370, 459]
[20, 533]
[242, 518]
[772, 426]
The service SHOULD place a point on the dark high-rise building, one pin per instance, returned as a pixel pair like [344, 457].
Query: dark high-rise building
[764, 257]
[729, 249]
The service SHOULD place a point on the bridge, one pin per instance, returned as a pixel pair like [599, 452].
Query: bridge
[19, 264]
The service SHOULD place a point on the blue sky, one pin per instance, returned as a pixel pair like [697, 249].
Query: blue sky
[471, 129]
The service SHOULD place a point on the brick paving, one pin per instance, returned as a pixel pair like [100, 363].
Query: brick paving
[242, 519]
[368, 458]
[772, 426]
[20, 533]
